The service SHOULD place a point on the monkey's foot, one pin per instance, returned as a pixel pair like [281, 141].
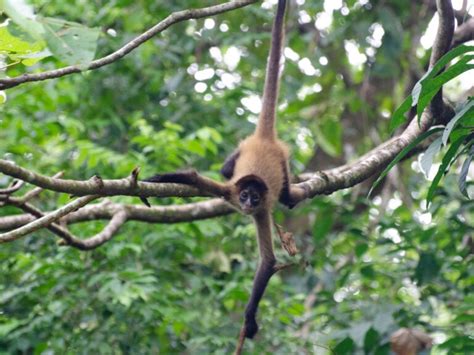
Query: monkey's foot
[250, 328]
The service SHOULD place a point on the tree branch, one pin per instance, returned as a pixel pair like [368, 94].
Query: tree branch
[155, 214]
[46, 220]
[464, 33]
[96, 186]
[14, 186]
[104, 236]
[324, 182]
[130, 46]
[375, 160]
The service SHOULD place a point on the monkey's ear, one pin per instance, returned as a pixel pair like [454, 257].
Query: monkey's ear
[252, 180]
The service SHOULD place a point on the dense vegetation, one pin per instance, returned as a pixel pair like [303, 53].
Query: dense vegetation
[368, 265]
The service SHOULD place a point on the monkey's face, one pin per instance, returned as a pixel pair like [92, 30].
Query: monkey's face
[250, 198]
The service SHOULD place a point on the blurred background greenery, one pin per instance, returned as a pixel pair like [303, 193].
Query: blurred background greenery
[184, 99]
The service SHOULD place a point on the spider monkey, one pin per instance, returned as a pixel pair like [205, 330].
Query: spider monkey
[257, 174]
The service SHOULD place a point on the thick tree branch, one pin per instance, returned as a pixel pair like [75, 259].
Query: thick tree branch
[96, 186]
[130, 46]
[156, 214]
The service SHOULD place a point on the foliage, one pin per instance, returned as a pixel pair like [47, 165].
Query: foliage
[458, 129]
[372, 266]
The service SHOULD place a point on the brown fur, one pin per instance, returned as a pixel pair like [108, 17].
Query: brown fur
[263, 158]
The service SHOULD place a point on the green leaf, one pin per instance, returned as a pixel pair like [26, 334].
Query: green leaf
[358, 332]
[427, 268]
[71, 42]
[447, 159]
[462, 113]
[8, 327]
[427, 160]
[404, 152]
[346, 346]
[23, 15]
[432, 86]
[398, 116]
[445, 59]
[371, 340]
[464, 170]
[19, 50]
[417, 89]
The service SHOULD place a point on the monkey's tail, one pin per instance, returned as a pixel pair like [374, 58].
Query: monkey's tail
[266, 122]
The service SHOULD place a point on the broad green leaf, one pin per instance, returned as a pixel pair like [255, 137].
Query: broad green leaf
[23, 15]
[19, 50]
[346, 346]
[71, 42]
[463, 113]
[447, 160]
[404, 152]
[412, 100]
[432, 86]
[445, 59]
[358, 331]
[427, 268]
[371, 340]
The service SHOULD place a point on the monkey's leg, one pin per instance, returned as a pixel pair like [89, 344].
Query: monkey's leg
[264, 273]
[191, 178]
[266, 269]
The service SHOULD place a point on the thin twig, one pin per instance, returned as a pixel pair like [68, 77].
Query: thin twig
[130, 46]
[14, 186]
[47, 219]
[37, 190]
[104, 236]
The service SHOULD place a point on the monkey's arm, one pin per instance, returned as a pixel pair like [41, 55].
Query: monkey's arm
[191, 178]
[290, 195]
[227, 169]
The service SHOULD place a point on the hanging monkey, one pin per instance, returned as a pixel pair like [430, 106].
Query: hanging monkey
[257, 174]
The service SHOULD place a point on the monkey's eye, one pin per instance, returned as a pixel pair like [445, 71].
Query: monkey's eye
[244, 195]
[255, 199]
